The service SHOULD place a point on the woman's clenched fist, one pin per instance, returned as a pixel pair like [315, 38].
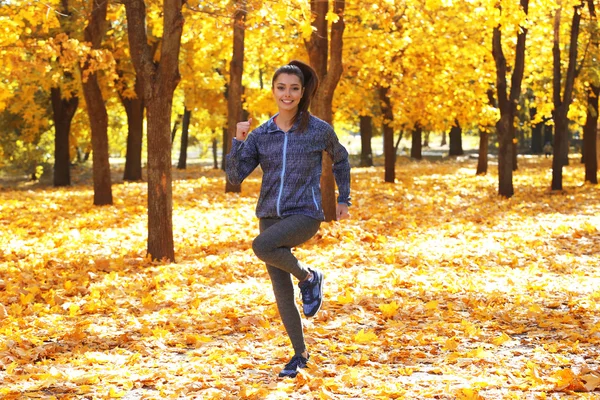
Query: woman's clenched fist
[242, 129]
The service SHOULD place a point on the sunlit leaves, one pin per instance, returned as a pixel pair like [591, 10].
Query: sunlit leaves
[389, 310]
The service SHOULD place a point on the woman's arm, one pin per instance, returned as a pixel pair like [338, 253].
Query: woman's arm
[242, 159]
[341, 167]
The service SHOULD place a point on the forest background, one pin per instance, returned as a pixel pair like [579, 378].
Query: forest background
[132, 84]
[413, 67]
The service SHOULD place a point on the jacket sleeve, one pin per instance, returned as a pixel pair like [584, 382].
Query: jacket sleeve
[341, 166]
[241, 160]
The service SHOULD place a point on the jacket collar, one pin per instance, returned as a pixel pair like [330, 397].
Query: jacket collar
[272, 126]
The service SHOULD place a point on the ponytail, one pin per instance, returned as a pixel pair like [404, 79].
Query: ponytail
[310, 83]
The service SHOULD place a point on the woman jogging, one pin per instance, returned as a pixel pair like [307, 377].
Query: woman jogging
[289, 147]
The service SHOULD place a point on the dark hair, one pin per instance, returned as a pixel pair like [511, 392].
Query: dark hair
[310, 83]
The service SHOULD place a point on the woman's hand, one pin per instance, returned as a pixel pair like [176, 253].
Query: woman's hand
[341, 211]
[242, 129]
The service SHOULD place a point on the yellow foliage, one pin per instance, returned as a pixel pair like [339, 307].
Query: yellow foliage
[365, 337]
[451, 344]
[389, 310]
[501, 339]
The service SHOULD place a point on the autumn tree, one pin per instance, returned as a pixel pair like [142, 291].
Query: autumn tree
[357, 102]
[96, 107]
[325, 54]
[389, 151]
[372, 70]
[366, 134]
[590, 133]
[417, 142]
[121, 85]
[134, 108]
[64, 106]
[562, 101]
[482, 153]
[508, 100]
[205, 51]
[131, 95]
[40, 84]
[429, 90]
[159, 82]
[456, 148]
[185, 129]
[234, 88]
[482, 159]
[590, 129]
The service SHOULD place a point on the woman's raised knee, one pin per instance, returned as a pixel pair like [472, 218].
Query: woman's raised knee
[260, 246]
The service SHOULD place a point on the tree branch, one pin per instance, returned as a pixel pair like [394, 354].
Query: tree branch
[571, 68]
[141, 53]
[335, 69]
[171, 42]
[96, 28]
[317, 45]
[500, 61]
[519, 68]
[556, 73]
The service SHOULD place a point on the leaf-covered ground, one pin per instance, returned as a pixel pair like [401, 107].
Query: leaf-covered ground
[436, 288]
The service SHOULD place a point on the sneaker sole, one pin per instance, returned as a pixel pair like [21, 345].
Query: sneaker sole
[287, 375]
[321, 296]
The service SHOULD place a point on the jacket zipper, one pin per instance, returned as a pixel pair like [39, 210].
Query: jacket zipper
[314, 198]
[285, 140]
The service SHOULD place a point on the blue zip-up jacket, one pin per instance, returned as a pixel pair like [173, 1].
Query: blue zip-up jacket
[291, 164]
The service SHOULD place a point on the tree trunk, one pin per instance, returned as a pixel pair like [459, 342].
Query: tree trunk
[226, 148]
[159, 82]
[598, 146]
[134, 108]
[482, 160]
[234, 89]
[416, 149]
[366, 134]
[515, 153]
[175, 127]
[63, 111]
[590, 133]
[589, 152]
[389, 151]
[560, 140]
[505, 157]
[160, 194]
[548, 134]
[443, 143]
[519, 138]
[215, 150]
[455, 134]
[327, 62]
[398, 143]
[99, 125]
[537, 139]
[561, 104]
[507, 103]
[94, 33]
[185, 127]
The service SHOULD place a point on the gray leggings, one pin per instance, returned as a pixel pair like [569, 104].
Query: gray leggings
[274, 247]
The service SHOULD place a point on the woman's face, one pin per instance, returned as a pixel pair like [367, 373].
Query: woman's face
[287, 92]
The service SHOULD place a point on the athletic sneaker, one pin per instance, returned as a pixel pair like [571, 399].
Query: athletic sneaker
[292, 368]
[312, 293]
